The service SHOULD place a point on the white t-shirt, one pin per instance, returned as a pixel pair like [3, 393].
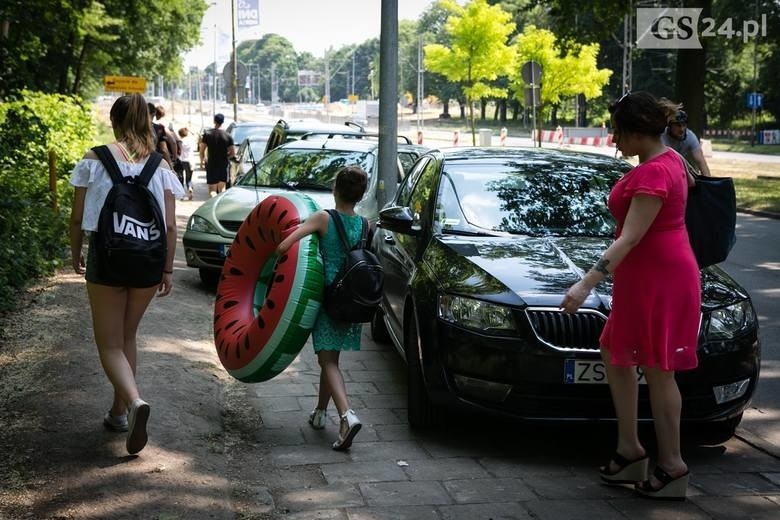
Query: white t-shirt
[187, 145]
[91, 174]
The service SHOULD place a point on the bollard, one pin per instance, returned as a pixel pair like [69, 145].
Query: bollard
[503, 137]
[455, 136]
[419, 137]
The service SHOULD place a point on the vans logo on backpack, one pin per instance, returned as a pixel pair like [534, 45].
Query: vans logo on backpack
[131, 227]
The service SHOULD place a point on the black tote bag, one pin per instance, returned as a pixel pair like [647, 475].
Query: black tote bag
[711, 219]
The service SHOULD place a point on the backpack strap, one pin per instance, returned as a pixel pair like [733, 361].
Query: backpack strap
[109, 163]
[334, 215]
[152, 162]
[364, 234]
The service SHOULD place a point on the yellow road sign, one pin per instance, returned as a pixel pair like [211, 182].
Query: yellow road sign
[124, 84]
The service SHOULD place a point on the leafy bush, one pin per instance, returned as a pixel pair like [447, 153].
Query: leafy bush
[34, 235]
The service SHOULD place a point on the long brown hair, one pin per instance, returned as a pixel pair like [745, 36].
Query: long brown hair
[130, 119]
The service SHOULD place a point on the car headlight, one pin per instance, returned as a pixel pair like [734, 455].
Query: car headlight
[202, 225]
[476, 314]
[729, 322]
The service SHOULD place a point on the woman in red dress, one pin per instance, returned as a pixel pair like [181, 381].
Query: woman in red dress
[654, 321]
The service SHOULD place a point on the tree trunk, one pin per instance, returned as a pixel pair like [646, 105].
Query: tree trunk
[515, 109]
[482, 109]
[690, 75]
[502, 110]
[80, 66]
[445, 112]
[553, 115]
[462, 105]
[62, 86]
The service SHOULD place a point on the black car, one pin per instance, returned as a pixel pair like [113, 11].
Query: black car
[478, 248]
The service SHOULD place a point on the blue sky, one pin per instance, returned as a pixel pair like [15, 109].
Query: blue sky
[311, 25]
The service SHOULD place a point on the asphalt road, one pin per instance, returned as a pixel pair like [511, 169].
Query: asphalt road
[755, 264]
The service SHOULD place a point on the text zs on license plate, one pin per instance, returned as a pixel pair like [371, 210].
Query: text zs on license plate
[590, 372]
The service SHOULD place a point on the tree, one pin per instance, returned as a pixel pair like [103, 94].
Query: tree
[479, 53]
[564, 74]
[69, 49]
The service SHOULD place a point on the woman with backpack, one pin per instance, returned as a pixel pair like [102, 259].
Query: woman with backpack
[119, 297]
[331, 337]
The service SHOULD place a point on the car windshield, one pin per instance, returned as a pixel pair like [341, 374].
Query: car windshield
[540, 197]
[305, 168]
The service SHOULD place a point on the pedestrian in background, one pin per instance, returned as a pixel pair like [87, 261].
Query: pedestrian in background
[678, 137]
[165, 140]
[216, 149]
[329, 337]
[117, 310]
[184, 160]
[656, 300]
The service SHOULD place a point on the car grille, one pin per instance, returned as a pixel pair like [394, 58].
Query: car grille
[579, 331]
[231, 225]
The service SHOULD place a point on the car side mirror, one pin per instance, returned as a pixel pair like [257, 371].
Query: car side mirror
[398, 219]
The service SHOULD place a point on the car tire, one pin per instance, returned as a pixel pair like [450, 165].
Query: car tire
[717, 432]
[420, 411]
[209, 277]
[378, 328]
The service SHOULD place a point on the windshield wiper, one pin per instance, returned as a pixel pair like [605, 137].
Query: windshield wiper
[467, 233]
[312, 185]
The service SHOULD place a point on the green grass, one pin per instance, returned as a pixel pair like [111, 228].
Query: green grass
[758, 194]
[744, 147]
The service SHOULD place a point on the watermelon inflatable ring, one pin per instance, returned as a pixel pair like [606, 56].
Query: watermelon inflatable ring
[266, 306]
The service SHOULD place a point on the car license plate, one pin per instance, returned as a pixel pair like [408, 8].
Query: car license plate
[224, 249]
[590, 372]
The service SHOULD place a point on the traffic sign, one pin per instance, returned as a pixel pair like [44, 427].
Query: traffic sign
[531, 72]
[755, 100]
[124, 84]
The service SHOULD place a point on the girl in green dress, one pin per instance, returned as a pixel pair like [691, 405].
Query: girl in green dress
[331, 337]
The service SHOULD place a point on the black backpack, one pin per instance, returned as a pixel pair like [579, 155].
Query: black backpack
[357, 289]
[131, 240]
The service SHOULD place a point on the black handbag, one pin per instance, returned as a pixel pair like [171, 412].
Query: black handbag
[711, 219]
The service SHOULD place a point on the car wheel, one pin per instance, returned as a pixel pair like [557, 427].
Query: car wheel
[378, 328]
[420, 411]
[209, 277]
[717, 432]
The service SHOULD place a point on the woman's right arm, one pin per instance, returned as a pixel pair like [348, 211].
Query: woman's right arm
[76, 234]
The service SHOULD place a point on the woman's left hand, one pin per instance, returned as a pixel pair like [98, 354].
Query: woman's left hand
[574, 298]
[165, 285]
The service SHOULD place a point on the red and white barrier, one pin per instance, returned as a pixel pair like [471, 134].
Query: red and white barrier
[555, 136]
[503, 137]
[419, 137]
[455, 138]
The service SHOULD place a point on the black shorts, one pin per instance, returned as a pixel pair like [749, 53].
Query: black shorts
[95, 274]
[215, 175]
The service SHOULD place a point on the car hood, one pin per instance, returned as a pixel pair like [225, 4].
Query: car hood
[538, 271]
[233, 205]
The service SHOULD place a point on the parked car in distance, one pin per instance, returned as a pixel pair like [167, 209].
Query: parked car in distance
[249, 138]
[479, 246]
[286, 131]
[307, 165]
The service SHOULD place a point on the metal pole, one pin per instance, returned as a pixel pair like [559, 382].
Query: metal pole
[755, 86]
[235, 60]
[214, 98]
[388, 103]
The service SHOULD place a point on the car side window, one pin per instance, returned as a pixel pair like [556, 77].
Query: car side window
[405, 190]
[421, 193]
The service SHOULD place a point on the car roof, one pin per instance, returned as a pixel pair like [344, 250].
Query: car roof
[317, 142]
[303, 126]
[501, 154]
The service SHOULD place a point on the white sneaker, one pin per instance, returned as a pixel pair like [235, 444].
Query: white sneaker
[350, 425]
[137, 418]
[115, 423]
[317, 418]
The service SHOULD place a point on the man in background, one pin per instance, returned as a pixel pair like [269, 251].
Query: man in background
[217, 147]
[678, 137]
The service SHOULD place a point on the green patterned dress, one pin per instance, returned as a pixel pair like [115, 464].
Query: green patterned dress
[329, 334]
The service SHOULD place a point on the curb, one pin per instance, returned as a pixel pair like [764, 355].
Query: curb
[759, 213]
